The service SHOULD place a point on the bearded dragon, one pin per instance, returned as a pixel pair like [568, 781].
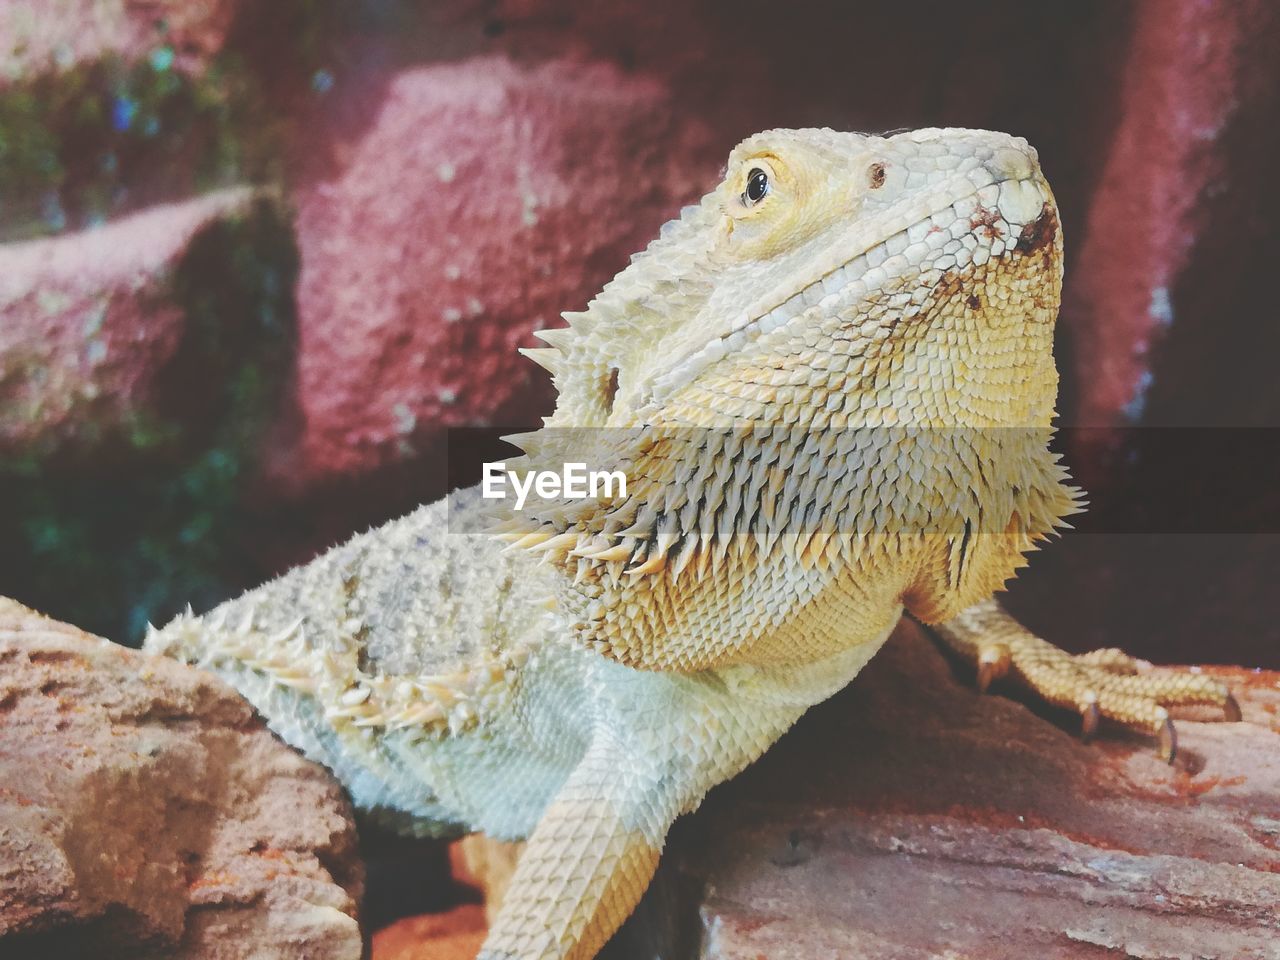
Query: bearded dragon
[831, 384]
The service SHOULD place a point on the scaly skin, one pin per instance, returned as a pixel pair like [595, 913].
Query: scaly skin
[889, 305]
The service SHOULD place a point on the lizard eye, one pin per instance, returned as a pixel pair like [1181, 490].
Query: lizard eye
[757, 187]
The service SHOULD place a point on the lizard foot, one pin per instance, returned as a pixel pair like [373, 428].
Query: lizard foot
[1103, 683]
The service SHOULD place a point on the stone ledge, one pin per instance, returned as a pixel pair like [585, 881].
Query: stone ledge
[145, 811]
[911, 818]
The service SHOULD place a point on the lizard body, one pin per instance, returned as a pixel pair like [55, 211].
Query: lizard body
[832, 383]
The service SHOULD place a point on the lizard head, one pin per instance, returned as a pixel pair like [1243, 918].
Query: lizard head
[814, 228]
[883, 308]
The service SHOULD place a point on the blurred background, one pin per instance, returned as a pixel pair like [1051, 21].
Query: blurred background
[259, 257]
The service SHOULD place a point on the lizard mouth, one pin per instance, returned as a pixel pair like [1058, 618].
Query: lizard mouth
[978, 216]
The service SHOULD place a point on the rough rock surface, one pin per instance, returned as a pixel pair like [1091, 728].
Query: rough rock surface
[145, 811]
[51, 35]
[455, 935]
[932, 819]
[438, 225]
[87, 321]
[1169, 249]
[911, 818]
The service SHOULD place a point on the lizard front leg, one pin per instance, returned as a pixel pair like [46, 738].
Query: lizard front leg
[586, 864]
[1104, 683]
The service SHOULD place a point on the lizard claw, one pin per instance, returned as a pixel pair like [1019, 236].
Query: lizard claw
[1167, 735]
[993, 663]
[1167, 741]
[1105, 684]
[1090, 717]
[1231, 710]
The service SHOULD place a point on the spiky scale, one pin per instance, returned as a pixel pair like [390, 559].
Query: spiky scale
[549, 358]
[559, 337]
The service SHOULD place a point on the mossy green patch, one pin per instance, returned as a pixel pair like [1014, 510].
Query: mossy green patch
[81, 145]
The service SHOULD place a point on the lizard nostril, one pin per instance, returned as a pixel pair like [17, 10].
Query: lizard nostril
[1010, 163]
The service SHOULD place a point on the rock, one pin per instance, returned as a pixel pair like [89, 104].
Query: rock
[140, 365]
[88, 322]
[455, 935]
[443, 214]
[54, 35]
[145, 811]
[108, 107]
[911, 818]
[1173, 230]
